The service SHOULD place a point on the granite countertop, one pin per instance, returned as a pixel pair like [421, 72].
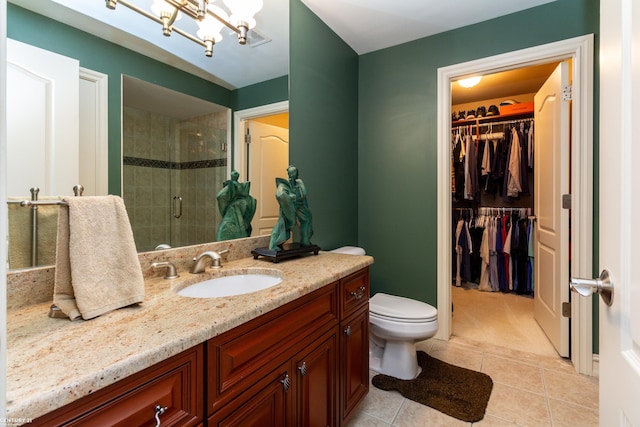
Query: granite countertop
[52, 362]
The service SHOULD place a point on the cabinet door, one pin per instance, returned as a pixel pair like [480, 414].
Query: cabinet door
[268, 407]
[316, 393]
[172, 388]
[354, 360]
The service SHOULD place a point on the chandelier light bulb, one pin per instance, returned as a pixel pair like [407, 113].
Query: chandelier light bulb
[209, 27]
[243, 11]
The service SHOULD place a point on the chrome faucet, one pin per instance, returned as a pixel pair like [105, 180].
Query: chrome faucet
[171, 272]
[199, 261]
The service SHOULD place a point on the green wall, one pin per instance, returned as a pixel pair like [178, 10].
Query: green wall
[396, 167]
[397, 161]
[108, 58]
[323, 125]
[269, 92]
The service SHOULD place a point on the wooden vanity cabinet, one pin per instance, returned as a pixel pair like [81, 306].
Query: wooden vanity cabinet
[175, 384]
[279, 368]
[300, 392]
[354, 342]
[304, 364]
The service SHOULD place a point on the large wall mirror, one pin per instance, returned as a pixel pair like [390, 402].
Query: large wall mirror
[176, 150]
[175, 157]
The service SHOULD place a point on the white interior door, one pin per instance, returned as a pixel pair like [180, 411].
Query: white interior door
[619, 206]
[552, 225]
[268, 159]
[42, 121]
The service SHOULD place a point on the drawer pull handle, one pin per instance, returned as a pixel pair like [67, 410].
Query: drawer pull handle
[347, 331]
[359, 294]
[303, 369]
[159, 411]
[286, 382]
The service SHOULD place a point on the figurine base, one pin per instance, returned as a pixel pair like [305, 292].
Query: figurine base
[288, 250]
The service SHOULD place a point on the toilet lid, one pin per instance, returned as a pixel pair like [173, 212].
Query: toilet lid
[400, 308]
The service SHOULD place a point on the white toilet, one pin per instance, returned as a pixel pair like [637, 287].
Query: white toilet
[396, 324]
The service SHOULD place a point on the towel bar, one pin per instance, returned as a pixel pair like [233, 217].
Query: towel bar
[26, 203]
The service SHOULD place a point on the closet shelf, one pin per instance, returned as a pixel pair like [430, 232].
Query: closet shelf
[489, 119]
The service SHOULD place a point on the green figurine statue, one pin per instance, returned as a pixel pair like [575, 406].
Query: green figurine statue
[237, 207]
[294, 209]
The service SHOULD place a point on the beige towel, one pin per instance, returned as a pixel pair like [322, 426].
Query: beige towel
[97, 267]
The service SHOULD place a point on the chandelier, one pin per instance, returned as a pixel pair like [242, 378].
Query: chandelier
[211, 19]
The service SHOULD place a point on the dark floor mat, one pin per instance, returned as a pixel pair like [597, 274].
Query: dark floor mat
[458, 392]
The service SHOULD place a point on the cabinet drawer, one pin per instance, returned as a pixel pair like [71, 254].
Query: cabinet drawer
[175, 384]
[238, 358]
[354, 292]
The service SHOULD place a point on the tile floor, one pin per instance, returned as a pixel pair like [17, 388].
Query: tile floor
[531, 387]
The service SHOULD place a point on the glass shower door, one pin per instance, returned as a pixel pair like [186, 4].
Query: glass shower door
[200, 168]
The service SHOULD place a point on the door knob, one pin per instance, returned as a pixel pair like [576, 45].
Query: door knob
[601, 286]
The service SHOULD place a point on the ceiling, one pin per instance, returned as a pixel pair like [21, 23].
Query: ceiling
[365, 25]
[232, 65]
[504, 84]
[370, 25]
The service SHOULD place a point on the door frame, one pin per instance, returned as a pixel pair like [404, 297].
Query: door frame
[100, 141]
[580, 51]
[239, 117]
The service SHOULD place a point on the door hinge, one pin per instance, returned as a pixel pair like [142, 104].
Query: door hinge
[566, 93]
[566, 201]
[247, 133]
[566, 309]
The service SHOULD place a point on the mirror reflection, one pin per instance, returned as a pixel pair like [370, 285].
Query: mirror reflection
[175, 159]
[200, 214]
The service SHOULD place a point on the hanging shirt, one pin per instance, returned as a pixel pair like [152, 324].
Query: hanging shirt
[514, 186]
[484, 255]
[471, 185]
[530, 147]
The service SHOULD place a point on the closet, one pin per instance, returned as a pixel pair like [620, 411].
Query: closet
[496, 208]
[492, 198]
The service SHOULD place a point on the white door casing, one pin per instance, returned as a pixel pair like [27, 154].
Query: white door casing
[551, 181]
[42, 121]
[619, 249]
[580, 50]
[268, 159]
[239, 117]
[94, 137]
[241, 154]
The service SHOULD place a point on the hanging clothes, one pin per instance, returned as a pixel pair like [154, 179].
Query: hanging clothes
[513, 184]
[471, 185]
[493, 256]
[463, 253]
[458, 156]
[524, 159]
[505, 251]
[486, 259]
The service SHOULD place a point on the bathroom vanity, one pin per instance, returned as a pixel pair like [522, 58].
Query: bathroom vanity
[295, 354]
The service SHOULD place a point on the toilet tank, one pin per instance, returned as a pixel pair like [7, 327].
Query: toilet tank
[350, 250]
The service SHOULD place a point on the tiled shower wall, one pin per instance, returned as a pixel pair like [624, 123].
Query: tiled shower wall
[164, 158]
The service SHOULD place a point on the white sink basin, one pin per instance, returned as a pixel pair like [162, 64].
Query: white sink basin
[226, 286]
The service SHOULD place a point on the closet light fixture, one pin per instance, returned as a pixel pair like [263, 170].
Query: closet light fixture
[470, 82]
[211, 19]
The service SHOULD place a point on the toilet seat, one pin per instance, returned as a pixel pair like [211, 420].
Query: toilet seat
[400, 309]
